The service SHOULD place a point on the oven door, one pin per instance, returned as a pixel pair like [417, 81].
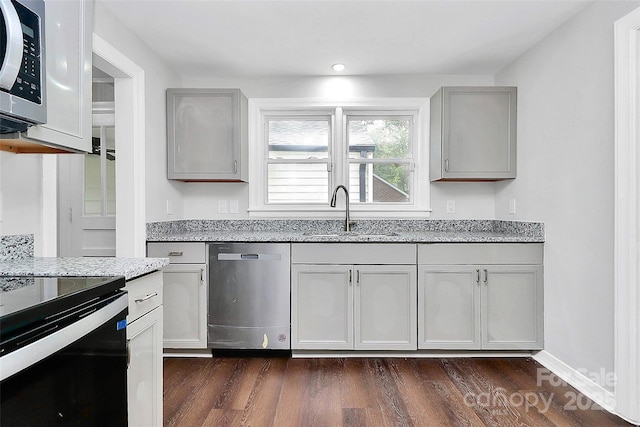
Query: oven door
[76, 376]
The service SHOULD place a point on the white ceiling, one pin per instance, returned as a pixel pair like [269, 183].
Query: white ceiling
[220, 38]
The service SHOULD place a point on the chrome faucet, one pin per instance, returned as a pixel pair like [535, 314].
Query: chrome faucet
[347, 220]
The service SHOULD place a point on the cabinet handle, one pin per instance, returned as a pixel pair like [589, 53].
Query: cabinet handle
[350, 277]
[446, 165]
[175, 253]
[486, 276]
[235, 166]
[146, 297]
[358, 277]
[128, 353]
[202, 276]
[478, 276]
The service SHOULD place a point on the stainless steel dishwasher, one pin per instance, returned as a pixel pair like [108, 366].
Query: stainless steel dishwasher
[249, 296]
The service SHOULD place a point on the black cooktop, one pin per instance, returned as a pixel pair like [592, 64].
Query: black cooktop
[27, 303]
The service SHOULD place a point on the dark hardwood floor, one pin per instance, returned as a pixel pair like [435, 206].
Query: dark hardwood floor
[280, 392]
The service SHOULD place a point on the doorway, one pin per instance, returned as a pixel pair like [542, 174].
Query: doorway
[627, 216]
[87, 183]
[129, 134]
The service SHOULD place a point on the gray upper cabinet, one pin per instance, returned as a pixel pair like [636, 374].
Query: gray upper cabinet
[473, 134]
[207, 135]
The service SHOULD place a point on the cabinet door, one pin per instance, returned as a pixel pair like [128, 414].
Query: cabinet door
[206, 133]
[185, 306]
[144, 376]
[512, 303]
[448, 307]
[477, 133]
[385, 307]
[69, 32]
[321, 307]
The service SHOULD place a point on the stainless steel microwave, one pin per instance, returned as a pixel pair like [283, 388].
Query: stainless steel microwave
[22, 74]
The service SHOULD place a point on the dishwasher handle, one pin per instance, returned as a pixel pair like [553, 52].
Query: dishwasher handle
[249, 257]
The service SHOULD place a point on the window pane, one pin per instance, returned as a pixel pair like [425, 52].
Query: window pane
[94, 204]
[111, 170]
[298, 138]
[298, 183]
[379, 183]
[379, 138]
[92, 188]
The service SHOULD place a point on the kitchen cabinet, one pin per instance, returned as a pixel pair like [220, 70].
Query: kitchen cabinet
[480, 296]
[69, 33]
[207, 132]
[144, 336]
[185, 294]
[368, 305]
[473, 133]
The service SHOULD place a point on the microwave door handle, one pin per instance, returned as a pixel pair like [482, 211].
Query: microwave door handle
[13, 55]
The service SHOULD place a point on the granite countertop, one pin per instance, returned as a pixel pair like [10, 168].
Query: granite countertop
[382, 231]
[130, 268]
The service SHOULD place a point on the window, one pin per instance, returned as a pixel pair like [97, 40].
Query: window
[301, 151]
[380, 158]
[298, 161]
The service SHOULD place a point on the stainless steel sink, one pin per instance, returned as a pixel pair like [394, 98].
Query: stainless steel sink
[353, 234]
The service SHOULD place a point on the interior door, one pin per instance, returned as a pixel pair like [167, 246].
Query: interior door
[87, 184]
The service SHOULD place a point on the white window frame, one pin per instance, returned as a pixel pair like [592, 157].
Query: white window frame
[261, 107]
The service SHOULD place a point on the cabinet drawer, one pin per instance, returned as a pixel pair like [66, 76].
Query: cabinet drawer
[353, 253]
[480, 253]
[178, 252]
[145, 294]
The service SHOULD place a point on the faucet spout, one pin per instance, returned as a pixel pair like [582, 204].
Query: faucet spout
[347, 220]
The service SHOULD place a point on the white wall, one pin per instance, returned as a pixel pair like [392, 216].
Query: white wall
[566, 179]
[473, 200]
[21, 196]
[157, 78]
[21, 175]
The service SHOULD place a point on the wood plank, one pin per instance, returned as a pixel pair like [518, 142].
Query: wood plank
[294, 390]
[322, 405]
[231, 391]
[263, 400]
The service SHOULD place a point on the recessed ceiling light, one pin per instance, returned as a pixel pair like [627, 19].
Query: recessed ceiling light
[337, 67]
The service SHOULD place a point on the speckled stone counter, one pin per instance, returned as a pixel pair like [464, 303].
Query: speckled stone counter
[16, 246]
[130, 268]
[409, 231]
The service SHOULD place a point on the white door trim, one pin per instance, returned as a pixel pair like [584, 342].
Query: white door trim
[130, 147]
[627, 217]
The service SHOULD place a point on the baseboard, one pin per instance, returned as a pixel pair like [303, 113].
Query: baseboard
[419, 354]
[578, 380]
[170, 352]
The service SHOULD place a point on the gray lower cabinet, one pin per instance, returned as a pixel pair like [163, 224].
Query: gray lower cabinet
[473, 133]
[480, 296]
[353, 306]
[207, 132]
[144, 337]
[185, 294]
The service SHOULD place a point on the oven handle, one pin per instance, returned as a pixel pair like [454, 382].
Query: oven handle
[13, 56]
[249, 257]
[26, 356]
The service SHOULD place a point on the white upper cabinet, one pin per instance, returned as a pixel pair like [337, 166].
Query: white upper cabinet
[207, 135]
[69, 32]
[473, 134]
